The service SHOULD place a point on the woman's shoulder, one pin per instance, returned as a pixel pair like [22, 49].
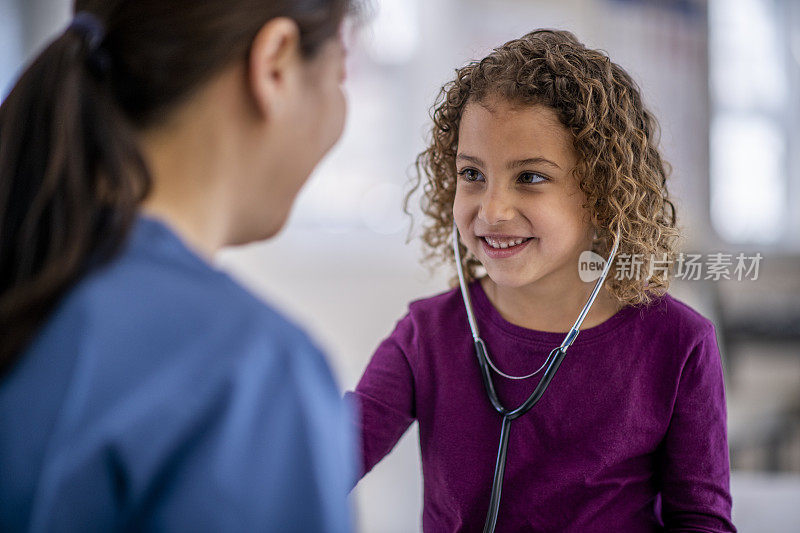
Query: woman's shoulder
[158, 293]
[157, 326]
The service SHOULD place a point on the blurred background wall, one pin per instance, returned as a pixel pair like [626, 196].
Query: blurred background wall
[722, 76]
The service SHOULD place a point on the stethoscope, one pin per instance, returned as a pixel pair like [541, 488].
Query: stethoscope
[486, 365]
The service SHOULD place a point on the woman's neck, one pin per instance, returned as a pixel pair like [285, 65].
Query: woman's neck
[197, 157]
[551, 308]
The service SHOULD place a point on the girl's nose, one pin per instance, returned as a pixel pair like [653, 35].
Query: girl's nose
[496, 206]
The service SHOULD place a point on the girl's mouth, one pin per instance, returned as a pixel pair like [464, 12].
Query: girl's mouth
[501, 247]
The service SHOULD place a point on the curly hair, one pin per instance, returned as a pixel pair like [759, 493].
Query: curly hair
[619, 169]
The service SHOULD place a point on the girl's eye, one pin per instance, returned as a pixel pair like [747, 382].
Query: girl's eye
[470, 174]
[531, 177]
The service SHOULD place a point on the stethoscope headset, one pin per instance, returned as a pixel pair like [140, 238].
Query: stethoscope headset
[486, 365]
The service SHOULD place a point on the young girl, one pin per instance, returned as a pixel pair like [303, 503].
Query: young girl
[539, 152]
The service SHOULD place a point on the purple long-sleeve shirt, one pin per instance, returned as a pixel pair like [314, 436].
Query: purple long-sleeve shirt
[637, 409]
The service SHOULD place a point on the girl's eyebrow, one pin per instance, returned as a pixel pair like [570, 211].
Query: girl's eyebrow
[470, 159]
[511, 164]
[531, 161]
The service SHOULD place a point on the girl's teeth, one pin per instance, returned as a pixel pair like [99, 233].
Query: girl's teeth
[494, 243]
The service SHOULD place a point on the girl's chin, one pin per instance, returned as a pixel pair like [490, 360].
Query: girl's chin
[509, 281]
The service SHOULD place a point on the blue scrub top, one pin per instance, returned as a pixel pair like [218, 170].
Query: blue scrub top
[161, 395]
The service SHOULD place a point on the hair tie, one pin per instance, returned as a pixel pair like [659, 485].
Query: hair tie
[90, 28]
[93, 32]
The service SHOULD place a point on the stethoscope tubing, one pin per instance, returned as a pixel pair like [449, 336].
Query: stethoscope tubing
[499, 472]
[553, 361]
[555, 357]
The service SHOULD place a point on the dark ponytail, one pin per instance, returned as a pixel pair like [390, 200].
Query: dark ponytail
[71, 174]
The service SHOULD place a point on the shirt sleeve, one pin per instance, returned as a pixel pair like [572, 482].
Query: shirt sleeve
[695, 467]
[384, 397]
[250, 442]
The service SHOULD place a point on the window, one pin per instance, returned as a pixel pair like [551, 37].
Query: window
[10, 44]
[753, 75]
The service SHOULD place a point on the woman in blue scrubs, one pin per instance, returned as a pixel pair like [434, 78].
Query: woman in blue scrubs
[141, 388]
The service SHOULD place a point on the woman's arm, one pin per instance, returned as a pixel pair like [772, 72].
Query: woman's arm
[384, 398]
[694, 466]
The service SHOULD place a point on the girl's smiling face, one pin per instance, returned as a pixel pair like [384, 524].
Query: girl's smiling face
[517, 206]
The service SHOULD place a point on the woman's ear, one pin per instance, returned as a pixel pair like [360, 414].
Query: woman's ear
[274, 64]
